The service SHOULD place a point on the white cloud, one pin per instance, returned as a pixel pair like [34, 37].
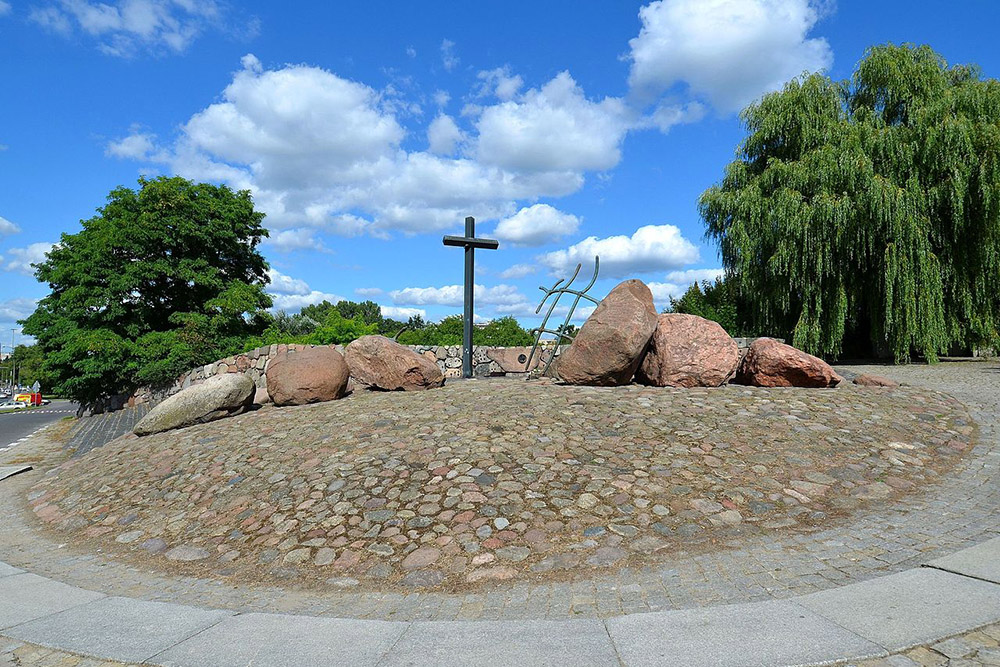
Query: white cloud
[536, 225]
[728, 52]
[695, 276]
[553, 128]
[411, 52]
[518, 271]
[443, 135]
[294, 239]
[4, 7]
[663, 292]
[7, 227]
[16, 309]
[454, 295]
[21, 259]
[321, 152]
[501, 83]
[282, 284]
[441, 97]
[402, 314]
[369, 291]
[135, 146]
[650, 248]
[292, 303]
[123, 27]
[448, 57]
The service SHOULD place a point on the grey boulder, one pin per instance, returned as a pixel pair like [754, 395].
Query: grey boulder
[217, 397]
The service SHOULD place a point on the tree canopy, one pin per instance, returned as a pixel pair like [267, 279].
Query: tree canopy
[164, 278]
[714, 301]
[869, 208]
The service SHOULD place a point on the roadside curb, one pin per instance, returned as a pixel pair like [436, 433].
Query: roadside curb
[869, 619]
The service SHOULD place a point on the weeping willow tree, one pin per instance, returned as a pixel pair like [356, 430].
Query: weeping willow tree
[869, 208]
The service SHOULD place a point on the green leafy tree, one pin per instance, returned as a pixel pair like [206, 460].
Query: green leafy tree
[164, 278]
[869, 208]
[28, 361]
[504, 332]
[713, 301]
[337, 329]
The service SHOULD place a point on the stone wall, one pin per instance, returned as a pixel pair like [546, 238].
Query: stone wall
[487, 361]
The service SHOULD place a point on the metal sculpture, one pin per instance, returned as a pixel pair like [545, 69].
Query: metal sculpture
[559, 290]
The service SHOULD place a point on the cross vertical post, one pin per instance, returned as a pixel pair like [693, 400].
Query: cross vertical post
[470, 243]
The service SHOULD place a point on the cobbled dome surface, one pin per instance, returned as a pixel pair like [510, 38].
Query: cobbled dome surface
[482, 481]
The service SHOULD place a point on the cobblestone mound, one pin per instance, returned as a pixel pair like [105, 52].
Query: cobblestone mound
[487, 481]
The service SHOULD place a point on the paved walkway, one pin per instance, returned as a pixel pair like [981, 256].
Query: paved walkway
[866, 619]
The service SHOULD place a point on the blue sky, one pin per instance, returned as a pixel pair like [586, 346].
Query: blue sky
[366, 130]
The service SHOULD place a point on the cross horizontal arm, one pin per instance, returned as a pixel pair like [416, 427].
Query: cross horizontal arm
[466, 242]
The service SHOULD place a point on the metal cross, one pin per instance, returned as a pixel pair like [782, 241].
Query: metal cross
[470, 243]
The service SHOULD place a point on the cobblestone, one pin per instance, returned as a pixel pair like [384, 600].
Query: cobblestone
[934, 518]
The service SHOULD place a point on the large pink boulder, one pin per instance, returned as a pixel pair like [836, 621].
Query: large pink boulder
[688, 351]
[608, 348]
[769, 363]
[381, 363]
[307, 375]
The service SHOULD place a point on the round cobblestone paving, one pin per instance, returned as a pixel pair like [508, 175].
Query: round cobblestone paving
[478, 482]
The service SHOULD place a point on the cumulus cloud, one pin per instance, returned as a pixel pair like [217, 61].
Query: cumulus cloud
[448, 57]
[16, 309]
[21, 259]
[443, 135]
[369, 291]
[518, 271]
[7, 227]
[123, 27]
[294, 239]
[282, 284]
[553, 128]
[402, 314]
[663, 292]
[728, 52]
[500, 83]
[292, 303]
[650, 248]
[322, 152]
[689, 276]
[536, 225]
[454, 295]
[136, 146]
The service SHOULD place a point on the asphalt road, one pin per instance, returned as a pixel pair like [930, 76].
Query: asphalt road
[17, 424]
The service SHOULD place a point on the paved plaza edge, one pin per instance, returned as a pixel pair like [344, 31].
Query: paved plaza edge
[859, 621]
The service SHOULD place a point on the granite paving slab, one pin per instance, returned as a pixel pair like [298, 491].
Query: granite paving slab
[26, 597]
[122, 629]
[909, 608]
[7, 570]
[761, 633]
[10, 471]
[278, 640]
[504, 644]
[981, 561]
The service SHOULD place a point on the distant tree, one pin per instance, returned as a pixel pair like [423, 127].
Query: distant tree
[337, 329]
[504, 332]
[869, 208]
[369, 311]
[164, 278]
[28, 360]
[713, 301]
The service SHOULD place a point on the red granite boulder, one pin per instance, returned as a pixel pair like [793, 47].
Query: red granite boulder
[384, 364]
[307, 375]
[866, 380]
[610, 344]
[688, 351]
[769, 363]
